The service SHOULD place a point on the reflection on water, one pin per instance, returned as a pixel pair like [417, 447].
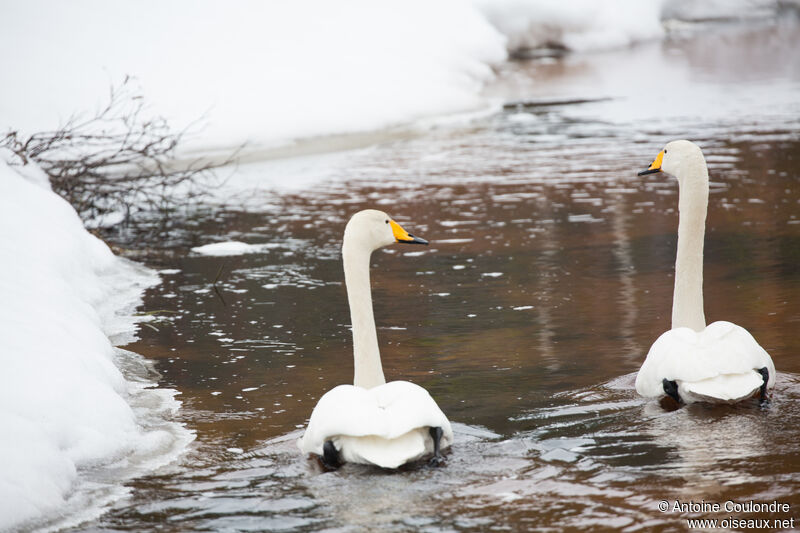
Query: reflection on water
[548, 277]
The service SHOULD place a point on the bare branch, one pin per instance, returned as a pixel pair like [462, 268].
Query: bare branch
[118, 161]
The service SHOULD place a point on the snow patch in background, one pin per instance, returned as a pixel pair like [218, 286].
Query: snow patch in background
[706, 10]
[576, 25]
[73, 427]
[270, 73]
[263, 72]
[219, 249]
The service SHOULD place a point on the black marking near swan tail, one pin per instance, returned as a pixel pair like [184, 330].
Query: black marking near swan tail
[436, 435]
[671, 389]
[763, 391]
[330, 455]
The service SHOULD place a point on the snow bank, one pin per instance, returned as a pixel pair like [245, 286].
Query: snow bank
[705, 10]
[272, 72]
[265, 72]
[577, 25]
[65, 407]
[593, 25]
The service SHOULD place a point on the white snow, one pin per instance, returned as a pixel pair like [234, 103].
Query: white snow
[231, 248]
[65, 406]
[577, 25]
[263, 72]
[705, 10]
[270, 73]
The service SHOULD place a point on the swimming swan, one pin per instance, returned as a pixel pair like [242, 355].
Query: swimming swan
[719, 363]
[371, 421]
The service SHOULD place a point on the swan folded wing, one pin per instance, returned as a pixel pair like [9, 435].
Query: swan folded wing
[723, 388]
[386, 412]
[702, 358]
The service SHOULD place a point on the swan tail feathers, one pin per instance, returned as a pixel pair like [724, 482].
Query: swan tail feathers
[724, 387]
[386, 453]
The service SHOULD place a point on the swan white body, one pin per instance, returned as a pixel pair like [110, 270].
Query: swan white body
[717, 364]
[386, 425]
[371, 421]
[720, 363]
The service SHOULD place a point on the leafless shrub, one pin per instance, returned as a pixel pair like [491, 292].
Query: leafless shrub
[118, 161]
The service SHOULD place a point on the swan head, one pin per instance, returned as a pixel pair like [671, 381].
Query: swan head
[374, 229]
[677, 159]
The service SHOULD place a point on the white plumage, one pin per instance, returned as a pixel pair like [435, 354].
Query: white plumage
[385, 426]
[371, 421]
[717, 363]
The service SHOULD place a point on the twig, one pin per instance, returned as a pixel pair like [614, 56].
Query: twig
[118, 161]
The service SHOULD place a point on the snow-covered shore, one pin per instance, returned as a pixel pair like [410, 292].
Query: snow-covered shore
[67, 413]
[270, 73]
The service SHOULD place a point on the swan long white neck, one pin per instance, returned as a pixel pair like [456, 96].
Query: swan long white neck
[366, 356]
[687, 298]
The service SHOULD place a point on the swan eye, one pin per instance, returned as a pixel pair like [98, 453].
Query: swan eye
[665, 152]
[387, 221]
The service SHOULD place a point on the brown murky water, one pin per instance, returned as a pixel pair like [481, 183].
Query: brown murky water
[548, 276]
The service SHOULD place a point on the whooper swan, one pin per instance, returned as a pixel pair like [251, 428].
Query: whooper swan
[371, 421]
[719, 363]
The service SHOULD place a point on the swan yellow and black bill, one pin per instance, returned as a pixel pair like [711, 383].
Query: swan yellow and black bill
[402, 235]
[655, 166]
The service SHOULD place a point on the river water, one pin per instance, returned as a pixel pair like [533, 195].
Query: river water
[548, 276]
